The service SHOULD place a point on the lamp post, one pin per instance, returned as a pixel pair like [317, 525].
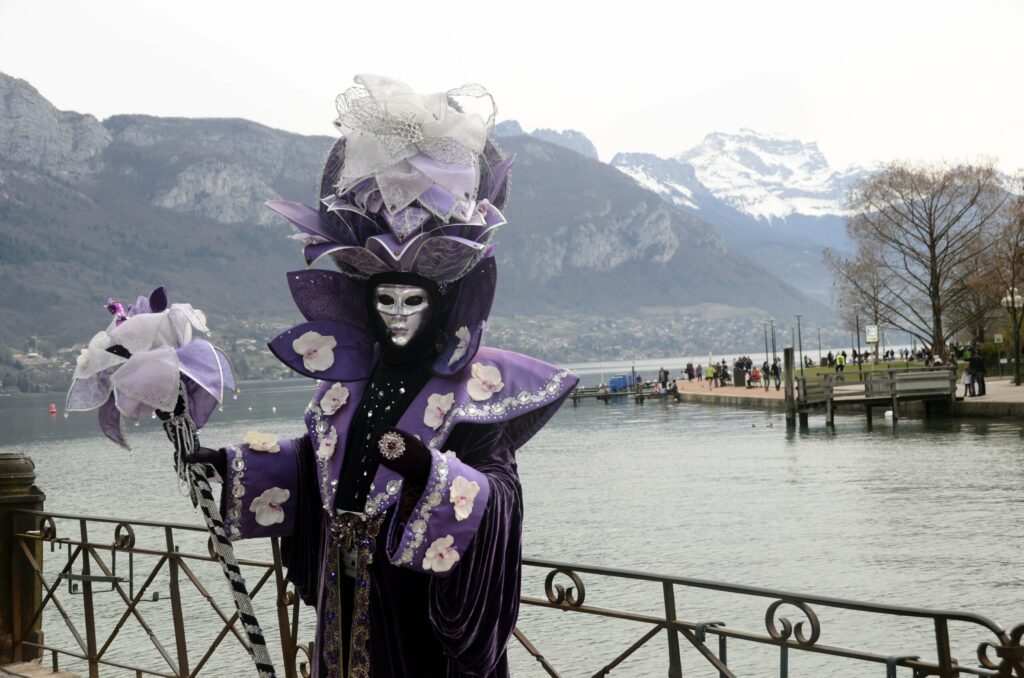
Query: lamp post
[819, 346]
[860, 368]
[775, 354]
[800, 343]
[767, 360]
[1012, 302]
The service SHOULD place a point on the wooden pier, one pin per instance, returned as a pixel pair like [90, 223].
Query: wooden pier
[606, 395]
[872, 390]
[927, 388]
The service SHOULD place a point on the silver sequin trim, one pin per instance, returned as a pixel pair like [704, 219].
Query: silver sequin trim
[418, 524]
[237, 491]
[377, 502]
[497, 408]
[320, 429]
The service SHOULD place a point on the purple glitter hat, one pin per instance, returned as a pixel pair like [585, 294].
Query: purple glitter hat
[415, 184]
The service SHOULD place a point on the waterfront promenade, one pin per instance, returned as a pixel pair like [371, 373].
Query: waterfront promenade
[1002, 398]
[32, 670]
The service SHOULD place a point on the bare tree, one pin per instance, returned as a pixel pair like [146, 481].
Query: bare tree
[1007, 254]
[980, 302]
[861, 293]
[924, 226]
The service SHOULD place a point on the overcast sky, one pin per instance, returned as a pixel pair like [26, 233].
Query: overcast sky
[867, 80]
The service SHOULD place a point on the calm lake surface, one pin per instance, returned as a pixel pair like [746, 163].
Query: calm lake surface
[926, 514]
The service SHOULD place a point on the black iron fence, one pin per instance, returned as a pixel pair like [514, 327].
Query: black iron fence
[103, 556]
[999, 652]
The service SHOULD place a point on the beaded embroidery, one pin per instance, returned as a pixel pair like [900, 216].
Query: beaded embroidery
[418, 526]
[321, 428]
[234, 513]
[523, 400]
[350, 530]
[377, 503]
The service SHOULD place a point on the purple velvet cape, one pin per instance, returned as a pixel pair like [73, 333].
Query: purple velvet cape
[425, 619]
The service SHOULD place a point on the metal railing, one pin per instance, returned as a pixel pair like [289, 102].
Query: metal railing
[999, 652]
[96, 563]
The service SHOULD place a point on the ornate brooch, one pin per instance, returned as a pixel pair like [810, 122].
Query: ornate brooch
[391, 446]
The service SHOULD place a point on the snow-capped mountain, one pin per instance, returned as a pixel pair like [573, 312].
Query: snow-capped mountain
[767, 194]
[748, 181]
[769, 176]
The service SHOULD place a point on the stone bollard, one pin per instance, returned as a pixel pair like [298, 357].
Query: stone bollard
[20, 588]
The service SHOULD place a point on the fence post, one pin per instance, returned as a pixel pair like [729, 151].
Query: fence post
[20, 590]
[675, 669]
[787, 366]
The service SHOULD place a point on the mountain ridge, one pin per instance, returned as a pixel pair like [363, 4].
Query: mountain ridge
[92, 209]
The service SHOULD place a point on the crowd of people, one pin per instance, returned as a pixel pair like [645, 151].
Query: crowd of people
[765, 375]
[719, 374]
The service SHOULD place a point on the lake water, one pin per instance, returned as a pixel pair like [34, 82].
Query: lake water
[926, 514]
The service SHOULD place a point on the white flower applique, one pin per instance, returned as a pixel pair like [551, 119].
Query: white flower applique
[317, 350]
[460, 349]
[334, 399]
[327, 445]
[485, 382]
[462, 493]
[261, 442]
[437, 408]
[441, 556]
[267, 506]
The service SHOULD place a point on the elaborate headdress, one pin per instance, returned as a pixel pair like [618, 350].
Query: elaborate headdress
[415, 184]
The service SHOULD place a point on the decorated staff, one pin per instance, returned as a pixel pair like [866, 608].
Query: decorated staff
[148, 361]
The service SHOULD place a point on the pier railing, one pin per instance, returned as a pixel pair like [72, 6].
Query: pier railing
[101, 560]
[880, 388]
[793, 622]
[102, 553]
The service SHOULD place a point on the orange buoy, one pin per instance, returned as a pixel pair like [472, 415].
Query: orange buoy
[53, 409]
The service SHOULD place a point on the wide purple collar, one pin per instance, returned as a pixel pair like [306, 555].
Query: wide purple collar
[334, 306]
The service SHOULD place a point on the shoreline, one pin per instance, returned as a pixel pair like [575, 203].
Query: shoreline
[1003, 400]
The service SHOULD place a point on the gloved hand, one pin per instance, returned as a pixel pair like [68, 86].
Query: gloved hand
[404, 454]
[200, 455]
[216, 458]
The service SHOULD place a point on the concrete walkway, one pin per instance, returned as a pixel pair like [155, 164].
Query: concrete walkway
[32, 670]
[1001, 399]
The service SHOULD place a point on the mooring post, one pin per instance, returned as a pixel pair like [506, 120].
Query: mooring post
[20, 589]
[787, 368]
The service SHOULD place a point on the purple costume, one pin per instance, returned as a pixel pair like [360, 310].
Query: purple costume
[414, 571]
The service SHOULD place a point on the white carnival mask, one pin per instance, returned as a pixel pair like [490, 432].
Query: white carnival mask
[403, 308]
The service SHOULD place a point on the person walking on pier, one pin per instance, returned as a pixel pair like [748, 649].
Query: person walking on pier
[977, 367]
[776, 374]
[765, 374]
[710, 374]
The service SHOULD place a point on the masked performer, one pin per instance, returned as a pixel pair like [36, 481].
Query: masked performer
[401, 506]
